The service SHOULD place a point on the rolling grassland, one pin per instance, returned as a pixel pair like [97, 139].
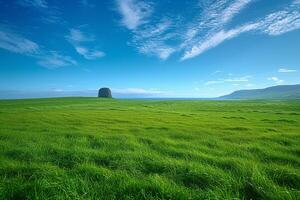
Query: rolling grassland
[91, 148]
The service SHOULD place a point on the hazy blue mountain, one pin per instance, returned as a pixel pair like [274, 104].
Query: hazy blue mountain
[275, 92]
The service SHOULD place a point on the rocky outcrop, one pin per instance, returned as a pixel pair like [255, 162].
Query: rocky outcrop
[104, 93]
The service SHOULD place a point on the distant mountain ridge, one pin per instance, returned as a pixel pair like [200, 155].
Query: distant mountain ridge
[275, 92]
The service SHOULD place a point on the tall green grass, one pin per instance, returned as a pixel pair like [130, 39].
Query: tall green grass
[89, 148]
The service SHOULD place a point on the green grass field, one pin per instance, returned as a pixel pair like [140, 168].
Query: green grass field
[90, 148]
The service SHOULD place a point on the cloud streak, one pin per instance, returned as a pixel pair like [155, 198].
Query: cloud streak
[285, 70]
[55, 60]
[133, 12]
[242, 79]
[164, 35]
[77, 35]
[89, 54]
[216, 39]
[276, 80]
[150, 36]
[137, 91]
[151, 40]
[214, 16]
[283, 21]
[273, 24]
[16, 43]
[80, 41]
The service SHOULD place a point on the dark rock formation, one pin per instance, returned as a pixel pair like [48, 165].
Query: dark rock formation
[104, 93]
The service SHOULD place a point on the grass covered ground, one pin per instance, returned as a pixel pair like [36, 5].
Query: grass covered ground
[88, 148]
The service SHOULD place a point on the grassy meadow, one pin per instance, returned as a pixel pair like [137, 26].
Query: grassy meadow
[90, 148]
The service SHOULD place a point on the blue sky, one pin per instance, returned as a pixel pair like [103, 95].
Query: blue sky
[158, 48]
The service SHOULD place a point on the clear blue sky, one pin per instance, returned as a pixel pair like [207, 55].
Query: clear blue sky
[158, 48]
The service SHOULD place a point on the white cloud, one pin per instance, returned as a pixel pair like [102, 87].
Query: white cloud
[240, 79]
[48, 14]
[77, 35]
[228, 80]
[34, 3]
[213, 82]
[150, 35]
[164, 35]
[134, 13]
[214, 16]
[154, 30]
[156, 48]
[276, 80]
[281, 22]
[88, 53]
[216, 72]
[276, 23]
[285, 70]
[234, 9]
[137, 91]
[216, 39]
[152, 39]
[16, 43]
[249, 85]
[78, 39]
[53, 19]
[55, 60]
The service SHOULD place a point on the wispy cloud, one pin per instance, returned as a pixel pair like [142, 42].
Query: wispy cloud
[208, 30]
[213, 82]
[34, 3]
[216, 72]
[216, 39]
[283, 21]
[133, 12]
[137, 92]
[81, 42]
[49, 14]
[77, 35]
[164, 35]
[89, 54]
[241, 79]
[249, 85]
[214, 16]
[273, 24]
[14, 42]
[285, 70]
[150, 36]
[156, 48]
[52, 19]
[229, 80]
[276, 80]
[55, 60]
[233, 9]
[153, 39]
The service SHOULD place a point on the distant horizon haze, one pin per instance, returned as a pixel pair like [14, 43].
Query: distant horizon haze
[127, 94]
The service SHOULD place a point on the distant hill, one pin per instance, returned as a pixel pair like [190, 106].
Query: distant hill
[275, 92]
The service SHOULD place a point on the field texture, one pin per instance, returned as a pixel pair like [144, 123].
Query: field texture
[88, 148]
